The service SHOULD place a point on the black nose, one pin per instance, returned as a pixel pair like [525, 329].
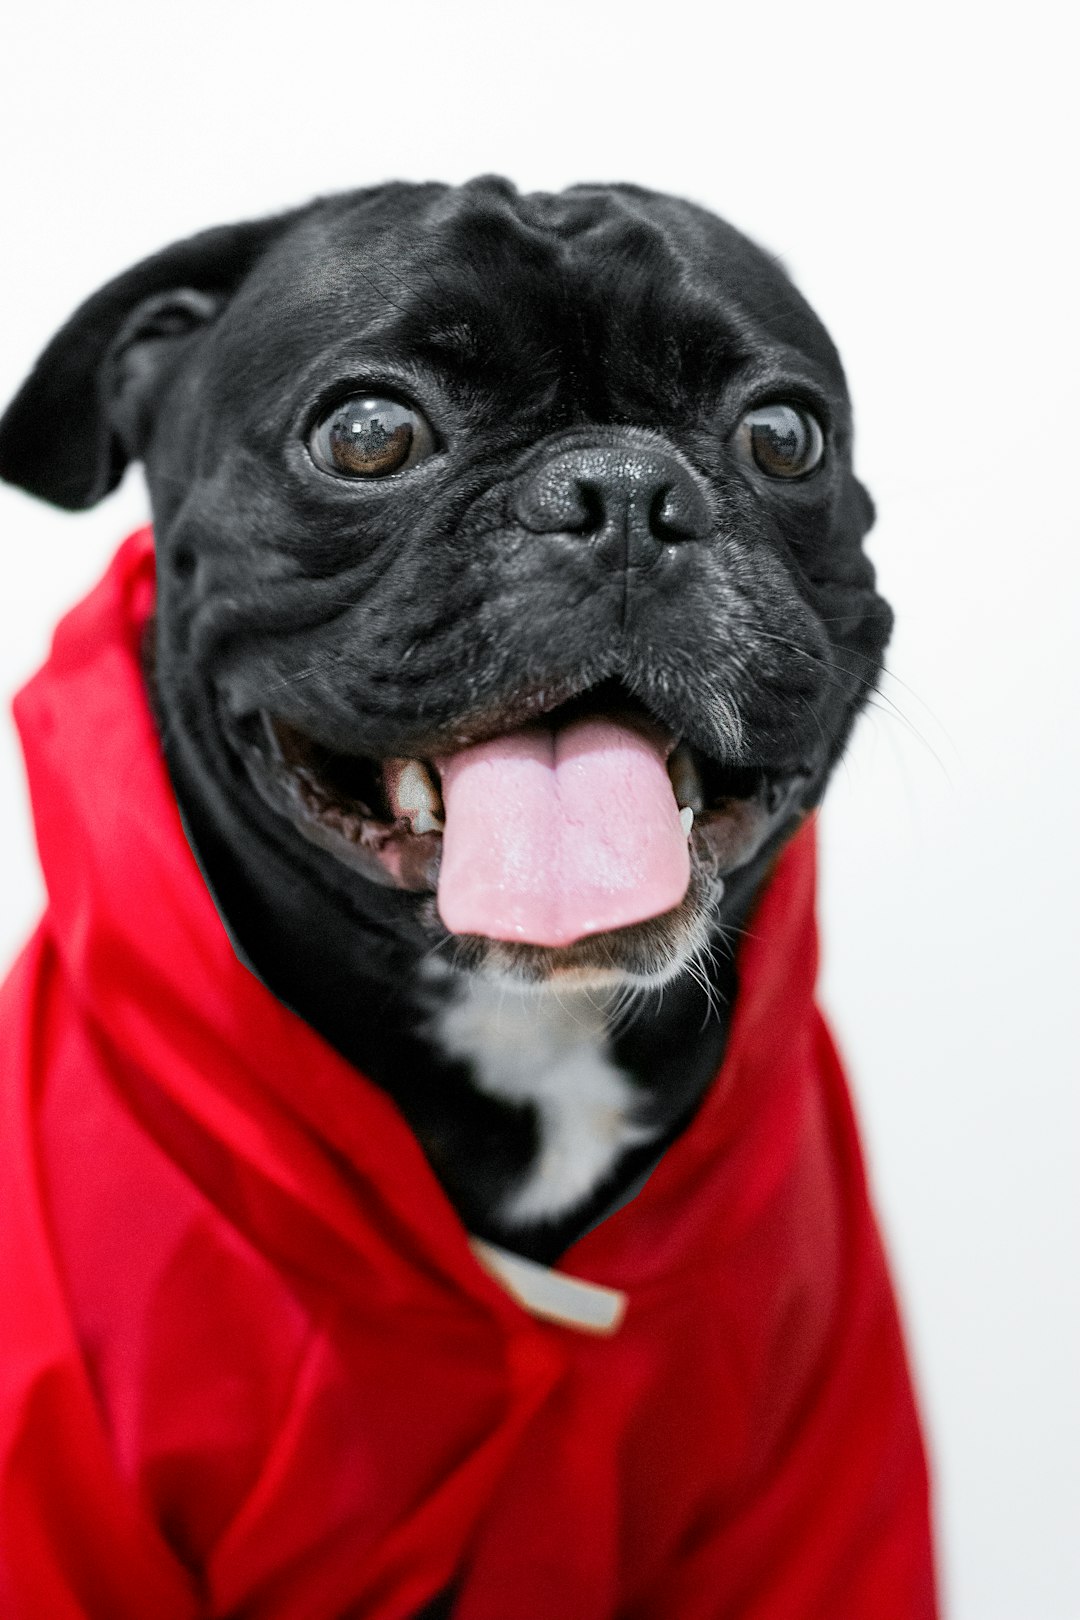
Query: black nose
[630, 503]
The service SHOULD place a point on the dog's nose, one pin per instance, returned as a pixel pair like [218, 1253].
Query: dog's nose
[630, 503]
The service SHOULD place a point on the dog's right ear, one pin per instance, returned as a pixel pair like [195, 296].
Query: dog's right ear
[84, 411]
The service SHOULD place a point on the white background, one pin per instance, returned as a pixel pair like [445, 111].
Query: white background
[916, 171]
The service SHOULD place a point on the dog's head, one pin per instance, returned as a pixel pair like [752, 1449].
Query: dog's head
[447, 479]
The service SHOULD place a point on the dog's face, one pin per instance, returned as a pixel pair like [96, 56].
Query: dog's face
[435, 466]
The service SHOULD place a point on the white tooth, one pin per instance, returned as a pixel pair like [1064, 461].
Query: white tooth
[686, 817]
[685, 779]
[413, 794]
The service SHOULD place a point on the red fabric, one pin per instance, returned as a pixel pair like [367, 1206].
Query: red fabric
[249, 1366]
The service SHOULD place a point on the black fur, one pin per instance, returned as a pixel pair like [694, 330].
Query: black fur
[387, 617]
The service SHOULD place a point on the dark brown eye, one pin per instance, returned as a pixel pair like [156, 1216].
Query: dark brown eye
[783, 441]
[370, 437]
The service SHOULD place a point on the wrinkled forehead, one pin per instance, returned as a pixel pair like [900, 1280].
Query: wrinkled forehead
[471, 275]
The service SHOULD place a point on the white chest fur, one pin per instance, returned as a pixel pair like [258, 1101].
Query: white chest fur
[550, 1051]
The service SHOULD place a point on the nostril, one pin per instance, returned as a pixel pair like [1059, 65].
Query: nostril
[593, 507]
[561, 500]
[678, 512]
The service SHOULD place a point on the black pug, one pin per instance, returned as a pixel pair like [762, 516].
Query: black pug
[511, 614]
[425, 465]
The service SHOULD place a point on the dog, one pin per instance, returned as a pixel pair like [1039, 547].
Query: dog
[511, 612]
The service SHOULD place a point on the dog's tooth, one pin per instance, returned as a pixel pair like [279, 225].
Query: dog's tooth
[689, 793]
[686, 817]
[412, 794]
[415, 788]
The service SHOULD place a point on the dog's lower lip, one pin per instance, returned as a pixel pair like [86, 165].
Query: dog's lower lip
[383, 817]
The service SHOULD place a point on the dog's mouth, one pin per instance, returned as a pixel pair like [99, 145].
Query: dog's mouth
[580, 825]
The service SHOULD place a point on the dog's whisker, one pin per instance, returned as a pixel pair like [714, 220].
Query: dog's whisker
[872, 696]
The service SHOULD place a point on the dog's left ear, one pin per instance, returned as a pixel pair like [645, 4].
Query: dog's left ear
[84, 411]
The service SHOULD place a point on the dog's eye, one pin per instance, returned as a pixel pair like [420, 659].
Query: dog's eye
[369, 437]
[783, 441]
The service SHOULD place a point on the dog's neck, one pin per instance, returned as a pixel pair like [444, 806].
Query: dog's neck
[542, 1109]
[552, 1052]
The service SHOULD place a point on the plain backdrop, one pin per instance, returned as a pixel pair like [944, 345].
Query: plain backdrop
[916, 171]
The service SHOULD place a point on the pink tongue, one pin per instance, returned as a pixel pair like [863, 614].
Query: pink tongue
[552, 835]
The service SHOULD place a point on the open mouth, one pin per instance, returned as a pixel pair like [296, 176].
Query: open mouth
[590, 819]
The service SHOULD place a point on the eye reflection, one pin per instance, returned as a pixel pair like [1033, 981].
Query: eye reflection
[782, 440]
[369, 436]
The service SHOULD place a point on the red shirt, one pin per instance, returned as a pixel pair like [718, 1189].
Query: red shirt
[249, 1364]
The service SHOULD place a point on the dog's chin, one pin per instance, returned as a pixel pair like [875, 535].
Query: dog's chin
[644, 955]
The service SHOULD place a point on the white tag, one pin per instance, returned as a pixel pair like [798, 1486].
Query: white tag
[552, 1294]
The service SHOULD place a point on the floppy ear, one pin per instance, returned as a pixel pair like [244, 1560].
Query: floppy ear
[83, 413]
